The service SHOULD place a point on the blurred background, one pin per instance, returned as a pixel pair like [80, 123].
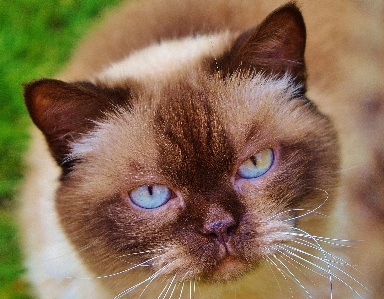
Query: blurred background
[36, 39]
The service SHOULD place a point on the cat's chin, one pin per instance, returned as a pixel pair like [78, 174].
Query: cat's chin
[230, 268]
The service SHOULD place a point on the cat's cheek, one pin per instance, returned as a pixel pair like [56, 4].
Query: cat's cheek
[252, 187]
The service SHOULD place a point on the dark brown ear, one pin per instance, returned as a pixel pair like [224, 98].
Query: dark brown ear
[64, 111]
[276, 46]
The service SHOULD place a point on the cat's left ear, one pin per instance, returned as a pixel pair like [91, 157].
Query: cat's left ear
[64, 112]
[274, 47]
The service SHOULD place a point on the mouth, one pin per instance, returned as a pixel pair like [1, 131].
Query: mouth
[230, 265]
[229, 268]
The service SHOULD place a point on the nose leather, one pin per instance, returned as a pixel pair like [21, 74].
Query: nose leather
[219, 224]
[220, 230]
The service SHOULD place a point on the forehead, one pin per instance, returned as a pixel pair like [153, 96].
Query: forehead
[204, 124]
[194, 147]
[186, 126]
[163, 62]
[188, 132]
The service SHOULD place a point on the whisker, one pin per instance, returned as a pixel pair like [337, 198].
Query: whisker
[284, 253]
[153, 276]
[173, 290]
[295, 210]
[291, 260]
[308, 212]
[306, 267]
[182, 289]
[330, 241]
[335, 259]
[282, 274]
[146, 287]
[331, 275]
[163, 290]
[293, 276]
[190, 290]
[312, 255]
[340, 270]
[117, 273]
[274, 275]
[169, 286]
[144, 252]
[299, 256]
[329, 265]
[325, 270]
[306, 243]
[311, 211]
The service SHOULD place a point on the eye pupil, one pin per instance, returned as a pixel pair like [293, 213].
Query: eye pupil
[253, 160]
[150, 190]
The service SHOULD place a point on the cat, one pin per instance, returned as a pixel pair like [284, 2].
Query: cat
[202, 150]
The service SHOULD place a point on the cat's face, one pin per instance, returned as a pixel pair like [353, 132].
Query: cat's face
[198, 177]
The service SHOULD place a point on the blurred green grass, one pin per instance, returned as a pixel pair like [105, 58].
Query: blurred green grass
[36, 39]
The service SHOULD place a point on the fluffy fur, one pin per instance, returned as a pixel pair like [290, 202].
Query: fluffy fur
[187, 93]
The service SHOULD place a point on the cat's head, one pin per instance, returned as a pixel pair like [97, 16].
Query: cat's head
[197, 167]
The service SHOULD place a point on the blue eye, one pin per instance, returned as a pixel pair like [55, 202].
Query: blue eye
[150, 197]
[257, 165]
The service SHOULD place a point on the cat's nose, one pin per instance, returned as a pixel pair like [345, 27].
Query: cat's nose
[220, 230]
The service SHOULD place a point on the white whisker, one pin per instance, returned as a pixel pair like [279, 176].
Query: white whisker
[153, 276]
[311, 211]
[117, 273]
[163, 291]
[295, 210]
[335, 259]
[146, 287]
[338, 269]
[173, 290]
[293, 276]
[284, 253]
[182, 289]
[291, 260]
[308, 212]
[282, 274]
[306, 243]
[326, 261]
[169, 287]
[325, 270]
[144, 252]
[274, 275]
[321, 239]
[190, 289]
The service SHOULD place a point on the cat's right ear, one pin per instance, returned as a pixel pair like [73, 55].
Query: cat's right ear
[275, 47]
[65, 111]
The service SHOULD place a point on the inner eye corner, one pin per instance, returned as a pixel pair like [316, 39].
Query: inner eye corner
[173, 194]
